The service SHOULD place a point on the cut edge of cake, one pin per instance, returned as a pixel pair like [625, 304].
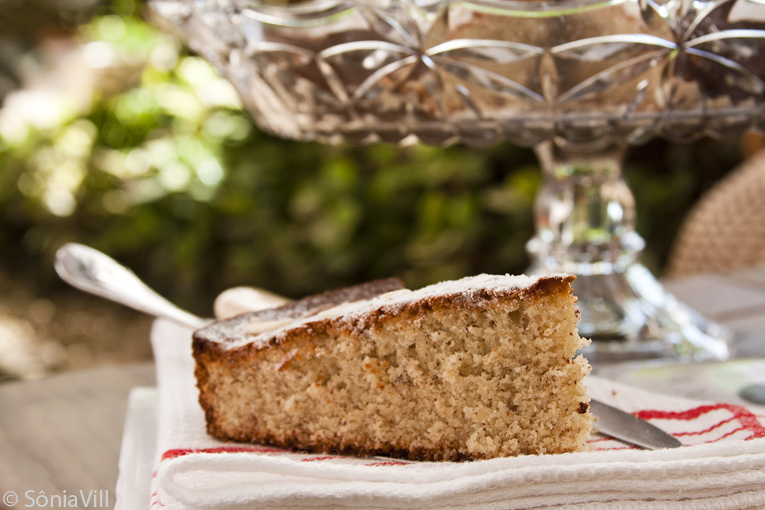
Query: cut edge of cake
[472, 369]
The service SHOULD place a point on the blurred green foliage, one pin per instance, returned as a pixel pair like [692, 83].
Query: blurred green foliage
[172, 178]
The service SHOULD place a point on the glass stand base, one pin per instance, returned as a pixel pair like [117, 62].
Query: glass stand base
[630, 317]
[585, 225]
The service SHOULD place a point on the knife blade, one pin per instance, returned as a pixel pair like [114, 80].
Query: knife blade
[625, 427]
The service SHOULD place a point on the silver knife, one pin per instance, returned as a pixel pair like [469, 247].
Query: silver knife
[625, 427]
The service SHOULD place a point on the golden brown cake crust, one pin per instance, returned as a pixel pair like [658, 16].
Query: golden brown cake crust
[220, 374]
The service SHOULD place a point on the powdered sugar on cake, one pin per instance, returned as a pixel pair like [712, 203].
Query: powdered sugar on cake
[252, 329]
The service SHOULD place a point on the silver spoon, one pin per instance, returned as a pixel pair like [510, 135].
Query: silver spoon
[92, 271]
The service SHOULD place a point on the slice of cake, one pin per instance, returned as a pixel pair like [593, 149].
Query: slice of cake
[476, 368]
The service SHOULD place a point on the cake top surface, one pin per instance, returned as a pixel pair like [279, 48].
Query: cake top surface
[262, 327]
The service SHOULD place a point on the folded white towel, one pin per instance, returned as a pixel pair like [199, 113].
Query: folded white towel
[722, 468]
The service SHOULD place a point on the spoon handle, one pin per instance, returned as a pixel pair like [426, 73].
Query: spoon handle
[92, 271]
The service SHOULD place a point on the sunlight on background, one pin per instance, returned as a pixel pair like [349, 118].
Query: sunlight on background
[50, 127]
[205, 108]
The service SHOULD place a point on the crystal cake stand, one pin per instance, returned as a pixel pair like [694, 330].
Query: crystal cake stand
[577, 79]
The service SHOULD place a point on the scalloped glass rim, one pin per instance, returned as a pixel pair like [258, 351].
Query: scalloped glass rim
[308, 9]
[536, 8]
[289, 65]
[518, 8]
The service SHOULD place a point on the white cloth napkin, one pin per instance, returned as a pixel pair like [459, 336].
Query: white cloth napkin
[722, 468]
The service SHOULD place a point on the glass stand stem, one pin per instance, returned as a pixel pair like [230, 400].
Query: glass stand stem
[585, 225]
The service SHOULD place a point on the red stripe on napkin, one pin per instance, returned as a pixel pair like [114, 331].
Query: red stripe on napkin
[744, 416]
[387, 463]
[180, 452]
[709, 429]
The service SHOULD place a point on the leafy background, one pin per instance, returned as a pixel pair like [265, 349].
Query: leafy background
[164, 171]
